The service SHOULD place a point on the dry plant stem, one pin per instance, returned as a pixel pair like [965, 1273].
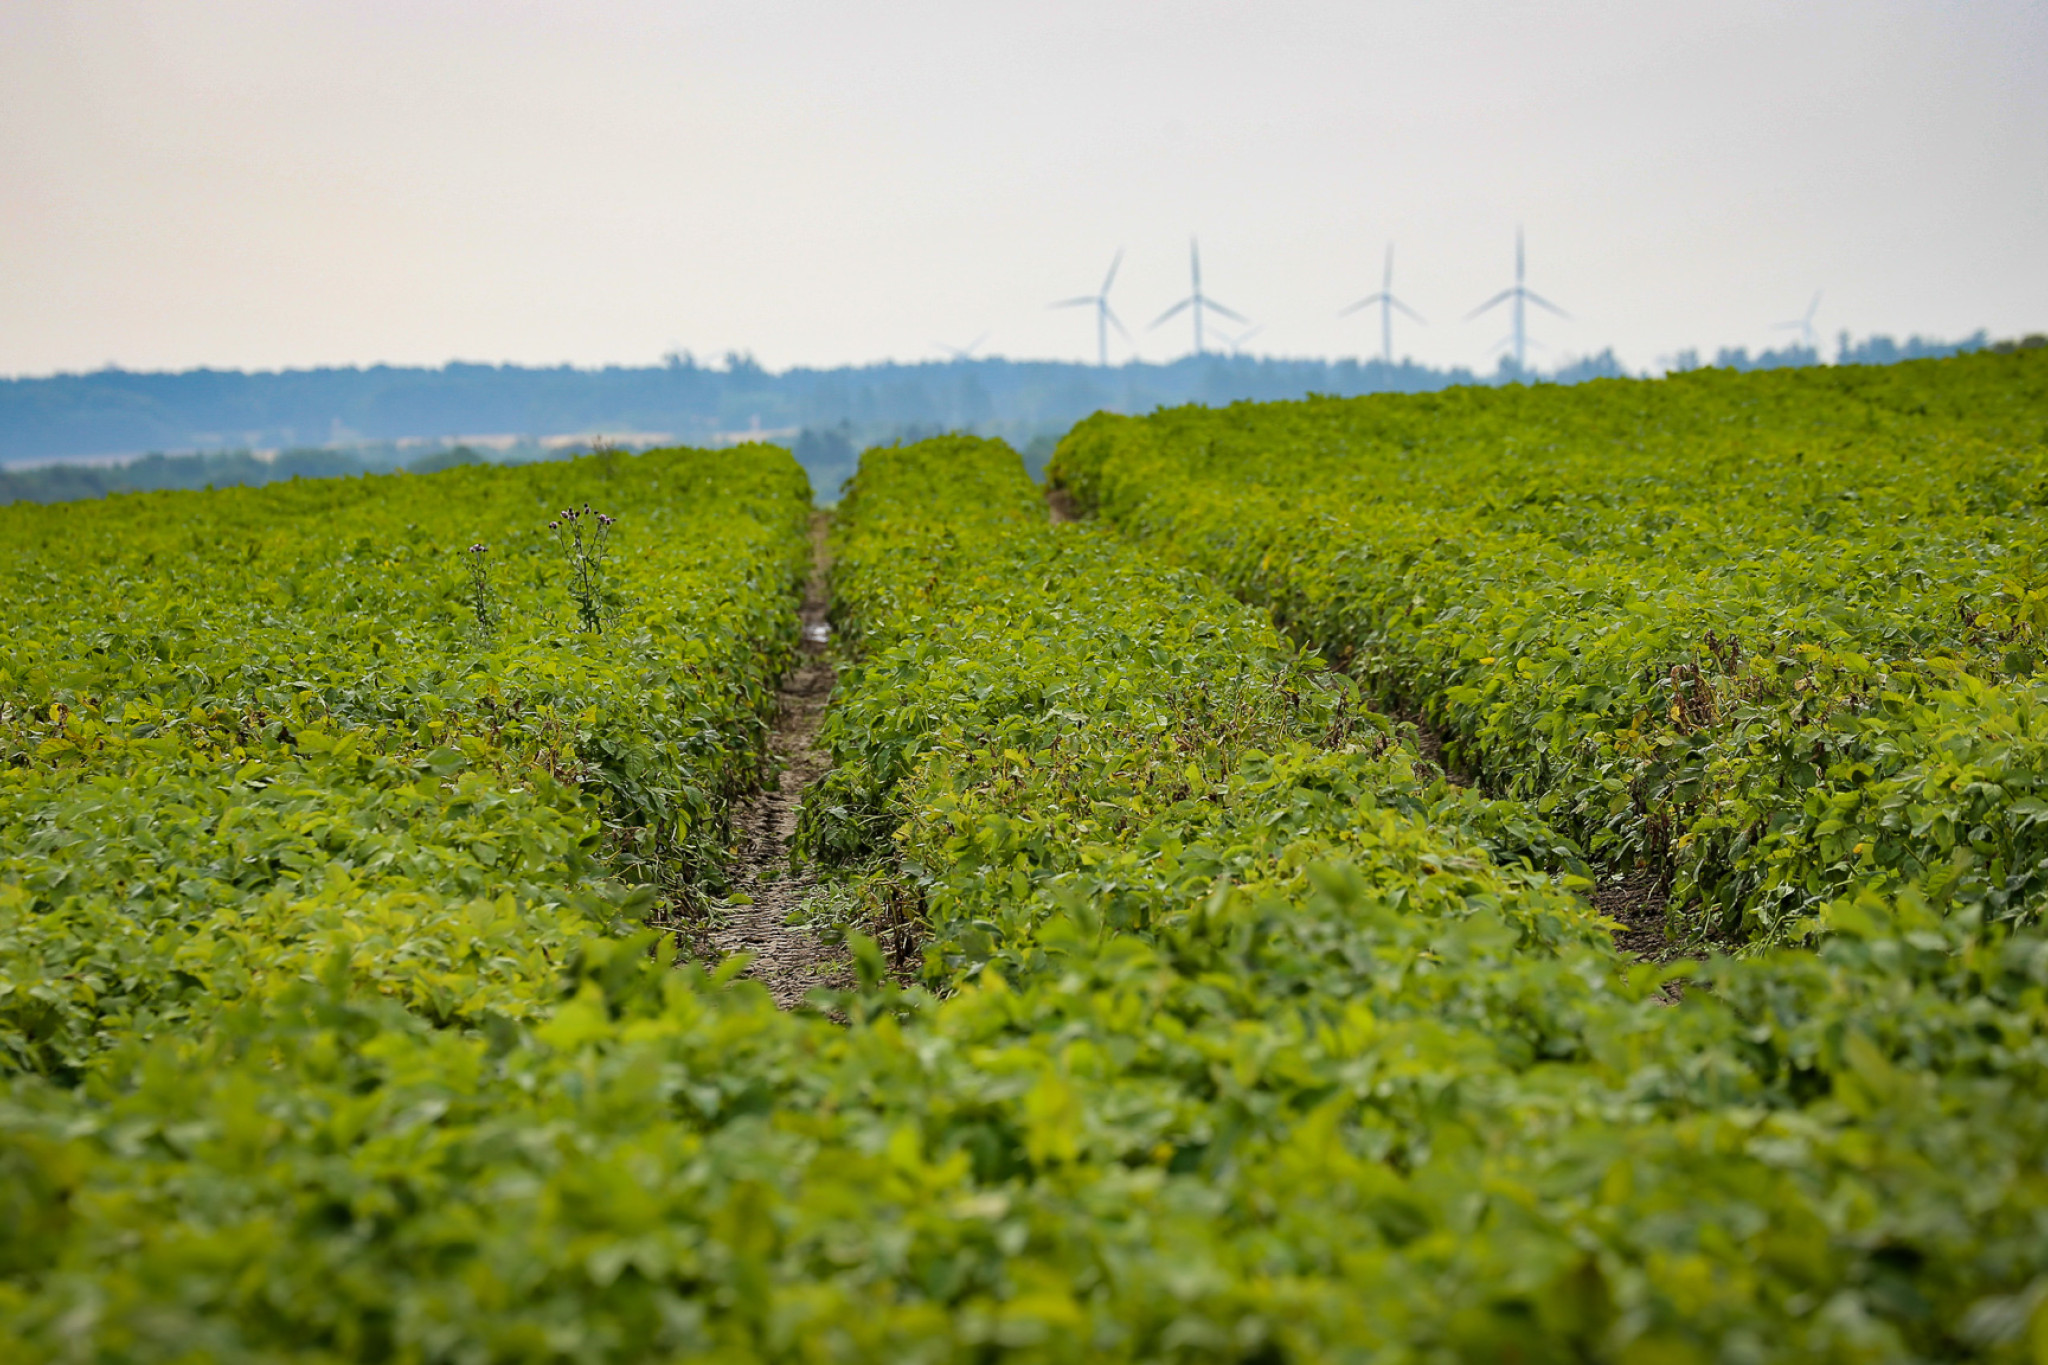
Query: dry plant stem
[790, 962]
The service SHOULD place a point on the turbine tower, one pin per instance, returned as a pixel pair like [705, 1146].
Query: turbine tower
[1803, 324]
[1521, 295]
[1105, 318]
[1388, 303]
[1197, 300]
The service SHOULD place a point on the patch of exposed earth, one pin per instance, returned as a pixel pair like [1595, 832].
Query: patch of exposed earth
[1636, 899]
[789, 960]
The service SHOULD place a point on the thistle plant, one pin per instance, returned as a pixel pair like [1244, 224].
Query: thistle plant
[482, 600]
[585, 540]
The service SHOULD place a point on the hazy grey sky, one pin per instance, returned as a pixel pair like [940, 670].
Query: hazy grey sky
[286, 184]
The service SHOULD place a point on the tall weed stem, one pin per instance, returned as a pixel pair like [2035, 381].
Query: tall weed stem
[585, 540]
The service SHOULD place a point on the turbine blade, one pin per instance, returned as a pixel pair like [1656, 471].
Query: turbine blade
[1216, 307]
[1502, 297]
[1409, 311]
[1182, 306]
[1362, 303]
[1088, 300]
[1542, 302]
[1110, 278]
[1118, 323]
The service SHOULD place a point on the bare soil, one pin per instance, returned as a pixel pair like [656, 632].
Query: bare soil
[1636, 898]
[1059, 505]
[789, 961]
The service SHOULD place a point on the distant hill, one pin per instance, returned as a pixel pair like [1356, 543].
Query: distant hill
[118, 430]
[117, 412]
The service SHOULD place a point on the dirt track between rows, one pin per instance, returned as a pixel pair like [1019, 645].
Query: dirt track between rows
[789, 960]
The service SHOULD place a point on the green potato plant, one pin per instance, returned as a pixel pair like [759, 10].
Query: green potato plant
[242, 731]
[1774, 637]
[1235, 1035]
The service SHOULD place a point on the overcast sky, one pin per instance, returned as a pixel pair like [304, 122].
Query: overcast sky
[287, 184]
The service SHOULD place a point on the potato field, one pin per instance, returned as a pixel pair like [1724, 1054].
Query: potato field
[1224, 879]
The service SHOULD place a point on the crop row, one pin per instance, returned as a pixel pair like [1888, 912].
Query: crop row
[246, 733]
[1409, 1092]
[1235, 1037]
[1777, 636]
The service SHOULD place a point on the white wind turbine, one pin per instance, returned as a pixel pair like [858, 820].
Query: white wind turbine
[1803, 324]
[1520, 295]
[1196, 300]
[1387, 304]
[1105, 317]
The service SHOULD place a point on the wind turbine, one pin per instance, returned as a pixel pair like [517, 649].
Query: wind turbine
[1803, 324]
[1196, 299]
[1520, 296]
[1105, 318]
[1388, 303]
[962, 352]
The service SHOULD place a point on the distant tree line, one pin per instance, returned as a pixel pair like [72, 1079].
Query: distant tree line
[1872, 350]
[119, 412]
[329, 423]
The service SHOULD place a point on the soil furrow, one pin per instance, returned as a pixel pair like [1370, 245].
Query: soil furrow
[788, 960]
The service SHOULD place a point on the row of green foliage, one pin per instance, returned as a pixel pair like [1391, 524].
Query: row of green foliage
[67, 481]
[1252, 1045]
[243, 731]
[1325, 1064]
[1778, 636]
